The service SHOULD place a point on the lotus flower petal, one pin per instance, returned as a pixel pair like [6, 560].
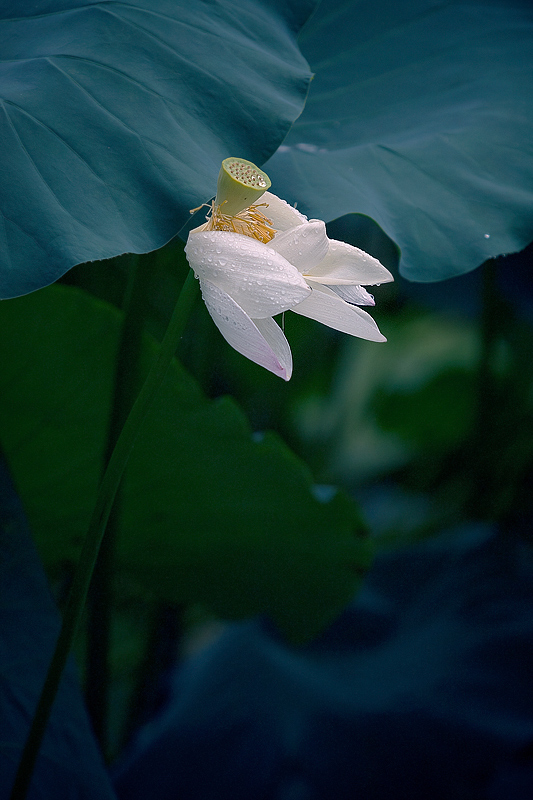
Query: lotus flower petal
[268, 258]
[326, 307]
[262, 341]
[355, 294]
[347, 264]
[282, 215]
[304, 246]
[259, 279]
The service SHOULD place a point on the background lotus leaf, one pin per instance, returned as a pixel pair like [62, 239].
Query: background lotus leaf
[114, 118]
[420, 117]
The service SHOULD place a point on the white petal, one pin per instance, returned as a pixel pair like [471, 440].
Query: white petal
[345, 264]
[275, 338]
[259, 279]
[304, 246]
[262, 341]
[354, 293]
[282, 215]
[324, 306]
[201, 227]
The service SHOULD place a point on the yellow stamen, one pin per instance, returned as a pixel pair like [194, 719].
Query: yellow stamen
[250, 222]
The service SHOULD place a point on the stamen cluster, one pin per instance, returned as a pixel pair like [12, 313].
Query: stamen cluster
[250, 222]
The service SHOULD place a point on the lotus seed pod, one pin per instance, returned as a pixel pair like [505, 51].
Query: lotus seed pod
[240, 183]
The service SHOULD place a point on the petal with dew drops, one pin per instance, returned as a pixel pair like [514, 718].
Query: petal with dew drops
[345, 264]
[326, 307]
[304, 246]
[280, 213]
[259, 279]
[262, 341]
[355, 294]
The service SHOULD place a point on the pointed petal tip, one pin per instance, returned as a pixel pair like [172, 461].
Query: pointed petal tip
[328, 308]
[387, 277]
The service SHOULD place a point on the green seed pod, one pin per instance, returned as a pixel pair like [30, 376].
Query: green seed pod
[240, 183]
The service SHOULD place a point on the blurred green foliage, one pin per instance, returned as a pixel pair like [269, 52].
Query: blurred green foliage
[208, 513]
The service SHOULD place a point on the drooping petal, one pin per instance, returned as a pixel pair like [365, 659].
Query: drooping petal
[355, 294]
[275, 338]
[262, 341]
[326, 307]
[259, 279]
[345, 264]
[304, 246]
[282, 215]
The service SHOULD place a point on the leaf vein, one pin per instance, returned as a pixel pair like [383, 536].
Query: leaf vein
[36, 168]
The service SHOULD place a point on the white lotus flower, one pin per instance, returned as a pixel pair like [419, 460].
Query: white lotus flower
[258, 260]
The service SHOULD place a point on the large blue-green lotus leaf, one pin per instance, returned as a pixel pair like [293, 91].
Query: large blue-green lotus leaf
[115, 116]
[420, 116]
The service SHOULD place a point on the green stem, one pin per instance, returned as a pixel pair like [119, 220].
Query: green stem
[89, 554]
[482, 444]
[100, 593]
